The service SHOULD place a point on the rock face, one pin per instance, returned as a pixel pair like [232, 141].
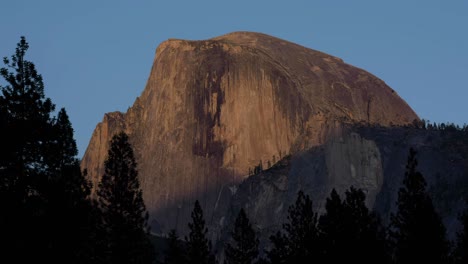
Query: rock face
[344, 161]
[370, 158]
[212, 110]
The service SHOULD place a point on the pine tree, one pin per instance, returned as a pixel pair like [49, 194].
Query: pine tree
[25, 116]
[349, 232]
[244, 247]
[416, 229]
[62, 149]
[298, 242]
[198, 245]
[280, 252]
[42, 190]
[27, 121]
[333, 229]
[66, 193]
[124, 212]
[175, 252]
[64, 177]
[367, 242]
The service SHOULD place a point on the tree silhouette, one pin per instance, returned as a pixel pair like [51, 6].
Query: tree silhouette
[298, 243]
[366, 239]
[280, 252]
[244, 246]
[198, 245]
[28, 180]
[175, 252]
[44, 197]
[124, 212]
[349, 232]
[62, 148]
[65, 192]
[27, 120]
[333, 229]
[416, 229]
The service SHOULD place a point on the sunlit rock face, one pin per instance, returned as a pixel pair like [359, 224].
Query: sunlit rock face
[214, 109]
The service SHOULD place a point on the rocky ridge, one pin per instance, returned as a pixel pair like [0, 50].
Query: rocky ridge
[214, 109]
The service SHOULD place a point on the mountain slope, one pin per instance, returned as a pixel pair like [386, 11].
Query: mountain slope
[214, 109]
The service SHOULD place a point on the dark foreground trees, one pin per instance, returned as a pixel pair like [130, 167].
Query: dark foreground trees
[350, 232]
[43, 194]
[47, 214]
[198, 245]
[417, 231]
[175, 253]
[123, 210]
[243, 249]
[298, 243]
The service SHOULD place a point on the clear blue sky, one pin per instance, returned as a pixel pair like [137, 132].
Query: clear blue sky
[95, 56]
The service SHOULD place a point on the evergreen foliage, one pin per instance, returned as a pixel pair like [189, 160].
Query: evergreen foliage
[298, 243]
[198, 245]
[349, 232]
[367, 235]
[48, 215]
[42, 190]
[333, 230]
[121, 201]
[175, 253]
[417, 231]
[25, 116]
[65, 192]
[244, 246]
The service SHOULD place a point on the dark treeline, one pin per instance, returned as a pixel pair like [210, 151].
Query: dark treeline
[47, 213]
[426, 124]
[349, 231]
[346, 232]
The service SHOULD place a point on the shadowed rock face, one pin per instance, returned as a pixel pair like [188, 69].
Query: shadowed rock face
[214, 109]
[370, 158]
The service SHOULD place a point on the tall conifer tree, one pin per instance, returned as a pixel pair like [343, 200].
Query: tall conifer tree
[26, 122]
[124, 212]
[416, 229]
[244, 246]
[27, 116]
[332, 226]
[198, 245]
[65, 190]
[175, 253]
[298, 243]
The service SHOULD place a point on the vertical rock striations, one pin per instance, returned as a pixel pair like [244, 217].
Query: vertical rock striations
[212, 110]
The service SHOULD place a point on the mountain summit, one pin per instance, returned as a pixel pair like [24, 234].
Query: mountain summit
[214, 110]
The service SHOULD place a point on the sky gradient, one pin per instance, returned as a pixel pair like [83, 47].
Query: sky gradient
[95, 56]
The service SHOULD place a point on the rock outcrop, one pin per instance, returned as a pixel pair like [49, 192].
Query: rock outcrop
[370, 158]
[212, 110]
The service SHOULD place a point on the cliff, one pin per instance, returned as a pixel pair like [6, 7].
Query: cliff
[214, 109]
[370, 158]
